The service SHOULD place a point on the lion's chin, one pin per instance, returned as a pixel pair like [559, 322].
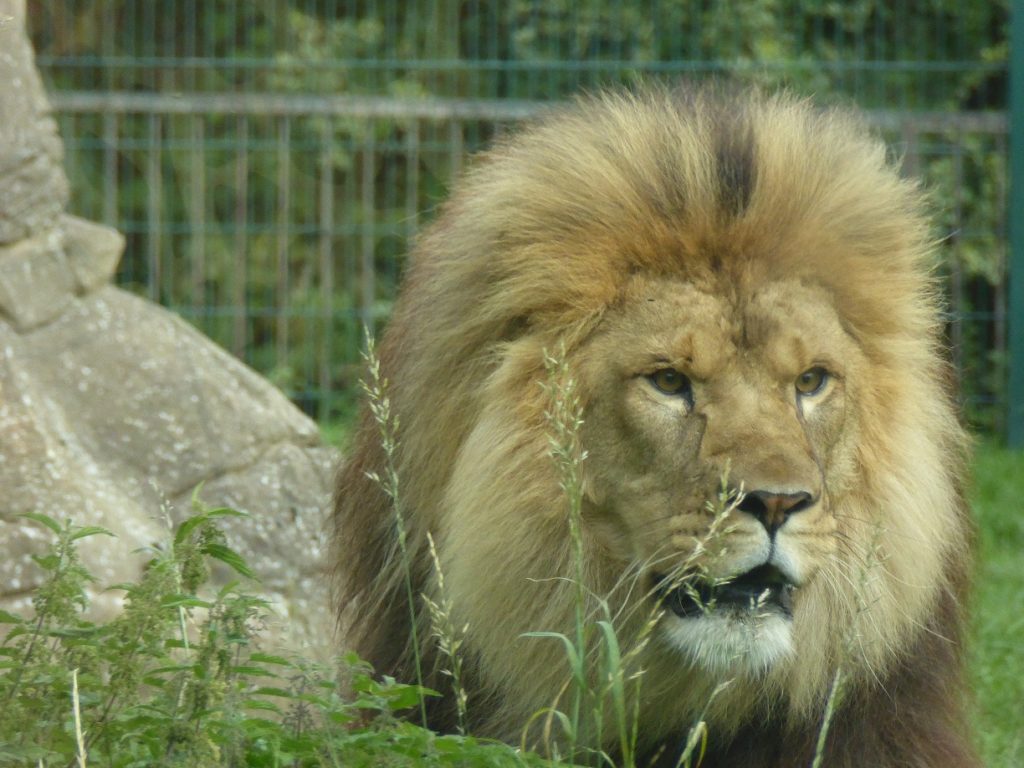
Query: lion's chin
[740, 626]
[732, 643]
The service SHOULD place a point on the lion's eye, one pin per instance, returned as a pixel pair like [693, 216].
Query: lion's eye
[671, 382]
[811, 381]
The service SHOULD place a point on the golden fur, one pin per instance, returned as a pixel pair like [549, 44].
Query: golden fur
[743, 240]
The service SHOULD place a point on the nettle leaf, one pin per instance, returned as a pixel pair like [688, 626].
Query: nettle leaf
[171, 669]
[249, 670]
[44, 520]
[88, 630]
[266, 658]
[264, 706]
[47, 562]
[266, 690]
[401, 696]
[91, 530]
[10, 618]
[184, 601]
[225, 512]
[230, 558]
[186, 528]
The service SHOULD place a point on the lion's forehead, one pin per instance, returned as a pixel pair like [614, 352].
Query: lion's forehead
[778, 326]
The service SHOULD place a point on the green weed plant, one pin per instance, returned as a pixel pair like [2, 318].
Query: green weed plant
[178, 677]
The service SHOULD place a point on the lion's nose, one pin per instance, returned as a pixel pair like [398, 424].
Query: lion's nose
[773, 509]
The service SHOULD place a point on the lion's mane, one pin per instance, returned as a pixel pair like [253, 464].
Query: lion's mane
[530, 253]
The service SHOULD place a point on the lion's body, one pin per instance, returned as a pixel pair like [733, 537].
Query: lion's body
[736, 244]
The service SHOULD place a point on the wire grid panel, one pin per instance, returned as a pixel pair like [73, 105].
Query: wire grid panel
[270, 162]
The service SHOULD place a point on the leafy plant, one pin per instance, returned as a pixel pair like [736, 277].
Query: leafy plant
[178, 677]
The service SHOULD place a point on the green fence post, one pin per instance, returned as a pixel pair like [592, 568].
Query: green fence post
[1015, 390]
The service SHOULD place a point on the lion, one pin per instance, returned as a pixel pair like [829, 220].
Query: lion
[741, 285]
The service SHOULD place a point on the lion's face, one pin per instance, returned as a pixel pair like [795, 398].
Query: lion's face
[691, 384]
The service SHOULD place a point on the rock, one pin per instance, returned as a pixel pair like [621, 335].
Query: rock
[39, 275]
[93, 251]
[34, 189]
[35, 282]
[113, 410]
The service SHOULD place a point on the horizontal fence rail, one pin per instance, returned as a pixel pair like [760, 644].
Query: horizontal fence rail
[441, 109]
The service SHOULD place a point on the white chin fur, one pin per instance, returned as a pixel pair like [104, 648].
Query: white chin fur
[727, 644]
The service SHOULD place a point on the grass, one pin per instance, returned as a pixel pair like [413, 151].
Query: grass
[997, 659]
[338, 433]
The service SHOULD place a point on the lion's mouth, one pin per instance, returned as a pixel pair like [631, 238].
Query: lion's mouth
[759, 588]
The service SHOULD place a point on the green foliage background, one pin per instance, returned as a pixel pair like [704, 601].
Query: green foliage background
[281, 277]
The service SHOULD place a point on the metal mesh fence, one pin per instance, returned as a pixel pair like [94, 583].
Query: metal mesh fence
[269, 161]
